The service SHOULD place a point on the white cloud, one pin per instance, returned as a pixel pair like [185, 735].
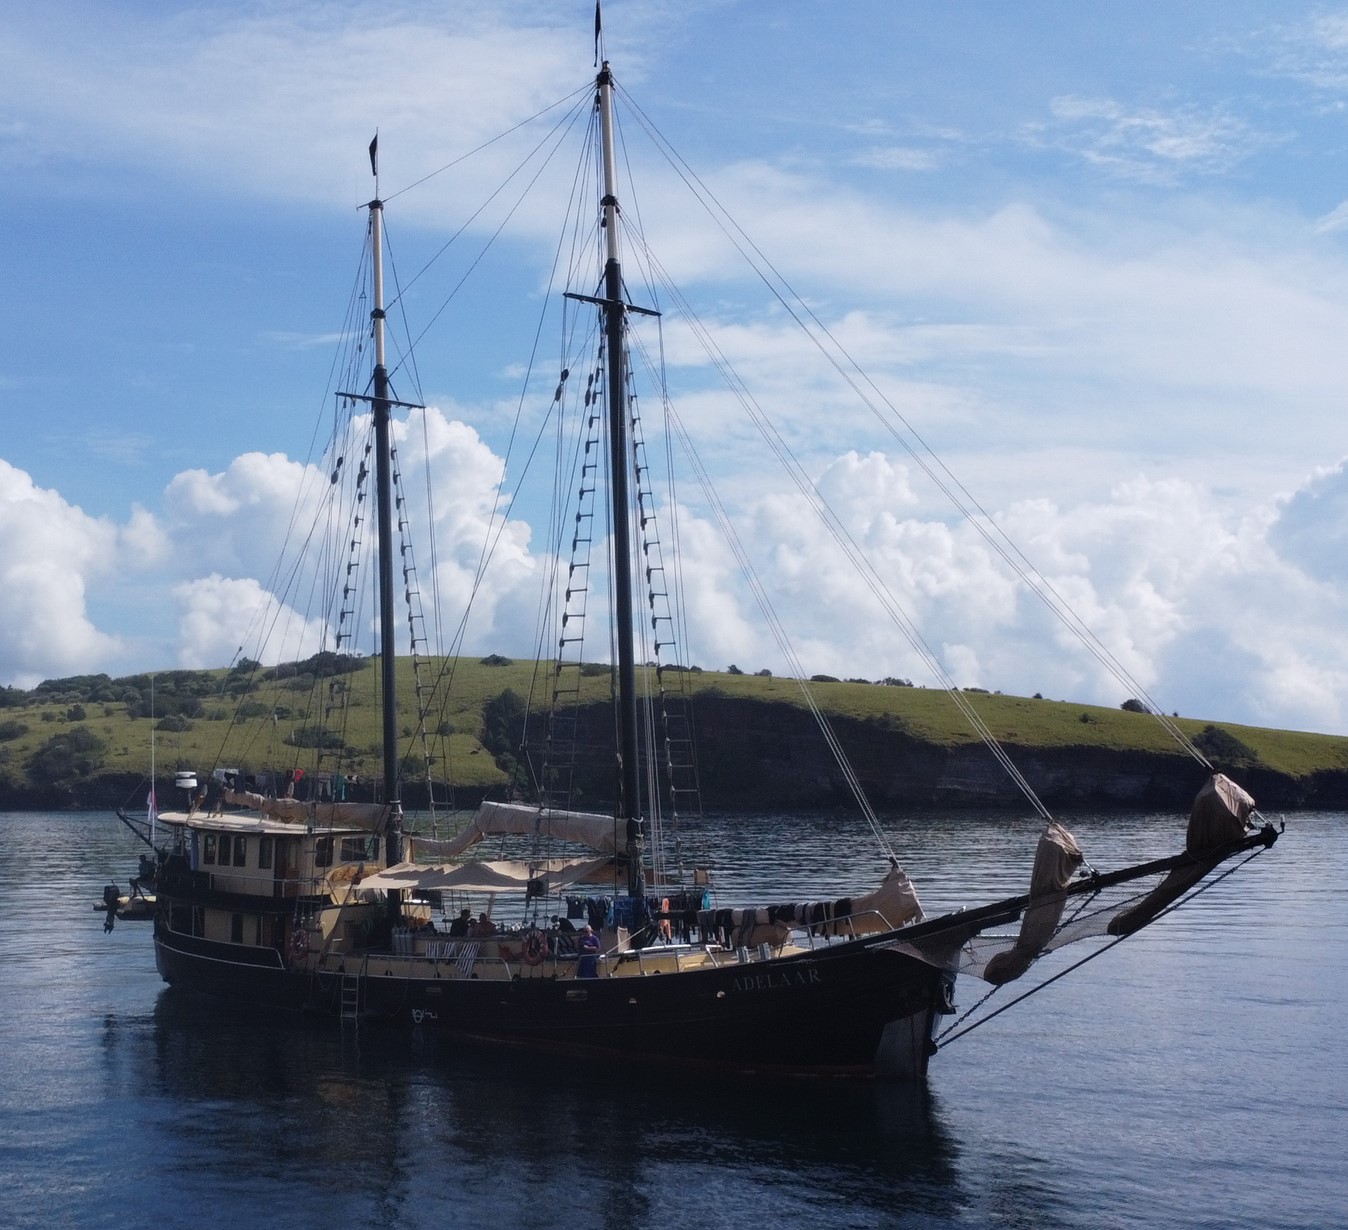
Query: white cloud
[1311, 526]
[228, 97]
[50, 554]
[143, 540]
[465, 476]
[1335, 220]
[230, 528]
[1193, 335]
[896, 158]
[1313, 51]
[220, 616]
[1145, 143]
[228, 522]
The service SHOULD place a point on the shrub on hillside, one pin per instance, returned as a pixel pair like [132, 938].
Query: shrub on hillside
[321, 666]
[67, 756]
[1224, 749]
[314, 736]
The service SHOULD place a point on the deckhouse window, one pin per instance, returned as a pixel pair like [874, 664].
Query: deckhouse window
[323, 852]
[264, 852]
[240, 850]
[236, 928]
[208, 852]
[360, 849]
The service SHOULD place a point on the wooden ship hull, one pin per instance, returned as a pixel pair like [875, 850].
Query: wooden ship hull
[856, 1006]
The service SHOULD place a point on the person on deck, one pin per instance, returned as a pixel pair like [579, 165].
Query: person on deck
[587, 964]
[460, 927]
[483, 928]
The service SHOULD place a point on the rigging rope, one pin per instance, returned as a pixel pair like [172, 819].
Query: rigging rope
[920, 452]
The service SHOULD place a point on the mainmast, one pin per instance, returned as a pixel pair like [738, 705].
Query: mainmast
[381, 405]
[615, 316]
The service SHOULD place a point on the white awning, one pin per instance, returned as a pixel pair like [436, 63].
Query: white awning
[484, 877]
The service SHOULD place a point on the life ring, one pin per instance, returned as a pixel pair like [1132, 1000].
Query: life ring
[535, 948]
[299, 943]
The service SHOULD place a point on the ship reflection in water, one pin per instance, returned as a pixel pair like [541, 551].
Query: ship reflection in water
[358, 1123]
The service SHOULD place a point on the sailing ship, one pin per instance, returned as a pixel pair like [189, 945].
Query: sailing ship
[288, 890]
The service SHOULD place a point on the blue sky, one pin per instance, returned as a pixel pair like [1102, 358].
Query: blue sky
[1095, 254]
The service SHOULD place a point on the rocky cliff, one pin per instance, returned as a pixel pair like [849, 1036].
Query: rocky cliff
[754, 755]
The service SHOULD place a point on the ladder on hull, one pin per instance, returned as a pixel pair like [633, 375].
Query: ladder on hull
[350, 1002]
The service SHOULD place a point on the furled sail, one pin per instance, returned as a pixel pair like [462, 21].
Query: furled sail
[538, 878]
[371, 817]
[1056, 860]
[1220, 816]
[598, 832]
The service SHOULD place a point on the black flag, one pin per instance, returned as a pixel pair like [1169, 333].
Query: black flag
[597, 25]
[374, 156]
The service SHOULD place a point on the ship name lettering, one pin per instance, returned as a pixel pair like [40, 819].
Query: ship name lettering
[774, 982]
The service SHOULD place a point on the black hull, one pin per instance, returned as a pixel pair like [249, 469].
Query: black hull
[855, 1008]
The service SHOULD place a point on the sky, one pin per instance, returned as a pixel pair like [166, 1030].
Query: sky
[1095, 256]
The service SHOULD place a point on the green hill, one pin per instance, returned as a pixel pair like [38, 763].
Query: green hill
[86, 740]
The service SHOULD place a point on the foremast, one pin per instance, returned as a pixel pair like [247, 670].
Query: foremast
[615, 319]
[381, 405]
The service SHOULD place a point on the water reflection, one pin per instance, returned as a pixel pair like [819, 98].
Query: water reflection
[418, 1123]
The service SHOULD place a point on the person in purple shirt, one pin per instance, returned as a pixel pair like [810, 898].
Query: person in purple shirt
[587, 965]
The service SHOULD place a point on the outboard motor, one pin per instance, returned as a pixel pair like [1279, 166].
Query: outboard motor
[112, 895]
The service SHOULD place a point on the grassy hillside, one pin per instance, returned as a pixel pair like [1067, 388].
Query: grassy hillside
[256, 720]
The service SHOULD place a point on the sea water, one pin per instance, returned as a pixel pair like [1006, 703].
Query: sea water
[1192, 1076]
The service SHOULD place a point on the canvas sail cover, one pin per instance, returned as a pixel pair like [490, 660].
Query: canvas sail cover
[1056, 860]
[370, 817]
[598, 832]
[538, 877]
[1220, 815]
